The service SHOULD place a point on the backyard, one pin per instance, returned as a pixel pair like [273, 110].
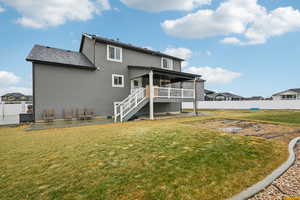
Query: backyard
[163, 159]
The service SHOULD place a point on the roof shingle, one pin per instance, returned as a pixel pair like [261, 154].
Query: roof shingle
[47, 55]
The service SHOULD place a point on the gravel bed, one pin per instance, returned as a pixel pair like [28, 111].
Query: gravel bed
[288, 185]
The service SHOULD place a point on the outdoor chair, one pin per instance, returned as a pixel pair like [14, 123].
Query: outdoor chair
[80, 114]
[49, 115]
[89, 113]
[68, 114]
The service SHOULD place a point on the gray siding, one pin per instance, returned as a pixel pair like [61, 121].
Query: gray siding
[199, 88]
[61, 88]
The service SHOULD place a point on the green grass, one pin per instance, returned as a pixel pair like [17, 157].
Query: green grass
[165, 159]
[290, 117]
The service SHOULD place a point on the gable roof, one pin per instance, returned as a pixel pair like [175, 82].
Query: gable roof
[225, 94]
[297, 90]
[48, 55]
[15, 94]
[125, 45]
[209, 91]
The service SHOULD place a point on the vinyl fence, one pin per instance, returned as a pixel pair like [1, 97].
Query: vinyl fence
[275, 104]
[9, 113]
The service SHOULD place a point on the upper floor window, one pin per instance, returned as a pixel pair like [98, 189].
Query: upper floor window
[166, 63]
[114, 53]
[117, 80]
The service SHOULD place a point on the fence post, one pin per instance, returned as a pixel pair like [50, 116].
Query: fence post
[169, 93]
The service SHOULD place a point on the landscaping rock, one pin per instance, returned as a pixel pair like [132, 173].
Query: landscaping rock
[233, 130]
[288, 185]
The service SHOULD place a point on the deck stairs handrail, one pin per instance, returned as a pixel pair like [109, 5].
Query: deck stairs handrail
[122, 109]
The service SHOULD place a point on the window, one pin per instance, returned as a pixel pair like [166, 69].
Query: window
[166, 63]
[117, 80]
[288, 97]
[114, 53]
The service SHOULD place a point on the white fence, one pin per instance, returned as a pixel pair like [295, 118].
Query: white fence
[9, 113]
[275, 104]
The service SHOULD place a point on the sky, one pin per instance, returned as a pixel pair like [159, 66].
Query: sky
[248, 47]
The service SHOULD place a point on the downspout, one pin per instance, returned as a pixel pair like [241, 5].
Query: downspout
[94, 51]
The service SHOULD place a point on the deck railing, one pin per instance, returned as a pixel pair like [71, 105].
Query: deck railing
[127, 105]
[171, 93]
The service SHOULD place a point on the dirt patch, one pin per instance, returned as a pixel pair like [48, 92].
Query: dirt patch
[250, 128]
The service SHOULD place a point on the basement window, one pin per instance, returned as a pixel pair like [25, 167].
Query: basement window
[117, 80]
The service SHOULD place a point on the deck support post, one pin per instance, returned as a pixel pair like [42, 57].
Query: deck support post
[151, 103]
[195, 97]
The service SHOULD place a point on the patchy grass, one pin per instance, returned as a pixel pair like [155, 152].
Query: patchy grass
[290, 117]
[146, 160]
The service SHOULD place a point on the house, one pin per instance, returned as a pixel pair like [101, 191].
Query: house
[114, 78]
[16, 98]
[225, 96]
[255, 98]
[290, 94]
[207, 94]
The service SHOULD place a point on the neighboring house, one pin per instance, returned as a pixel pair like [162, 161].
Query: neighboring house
[207, 94]
[114, 78]
[226, 96]
[16, 98]
[255, 98]
[290, 94]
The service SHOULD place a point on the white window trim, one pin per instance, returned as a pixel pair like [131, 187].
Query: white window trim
[172, 63]
[121, 53]
[113, 80]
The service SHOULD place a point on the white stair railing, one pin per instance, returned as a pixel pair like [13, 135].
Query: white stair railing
[127, 105]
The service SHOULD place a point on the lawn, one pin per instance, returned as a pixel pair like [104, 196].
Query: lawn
[150, 160]
[290, 117]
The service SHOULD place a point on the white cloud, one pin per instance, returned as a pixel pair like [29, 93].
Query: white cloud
[230, 40]
[236, 17]
[183, 53]
[163, 5]
[1, 9]
[8, 78]
[48, 13]
[215, 75]
[26, 91]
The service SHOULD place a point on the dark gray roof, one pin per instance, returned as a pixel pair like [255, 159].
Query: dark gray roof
[297, 90]
[128, 46]
[15, 94]
[166, 71]
[209, 91]
[225, 94]
[48, 55]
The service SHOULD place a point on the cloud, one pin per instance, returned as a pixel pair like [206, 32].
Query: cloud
[230, 40]
[183, 53]
[26, 91]
[164, 5]
[215, 75]
[1, 9]
[236, 17]
[8, 78]
[49, 13]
